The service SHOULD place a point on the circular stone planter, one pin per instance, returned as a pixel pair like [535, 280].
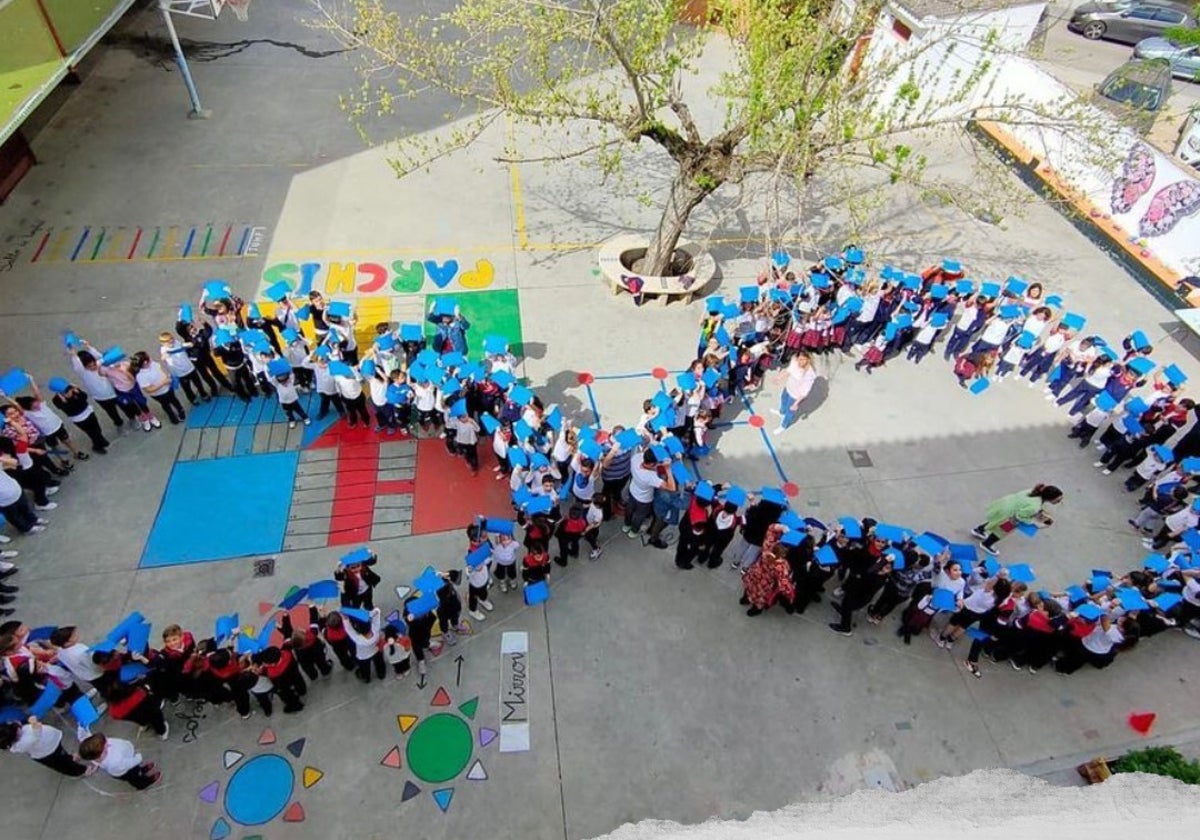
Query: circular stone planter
[618, 252]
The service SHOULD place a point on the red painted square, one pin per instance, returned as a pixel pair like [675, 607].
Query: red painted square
[347, 507]
[447, 496]
[398, 487]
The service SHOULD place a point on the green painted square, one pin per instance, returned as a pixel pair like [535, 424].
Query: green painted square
[494, 312]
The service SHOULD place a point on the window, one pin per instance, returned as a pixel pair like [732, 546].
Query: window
[1170, 16]
[900, 30]
[1143, 13]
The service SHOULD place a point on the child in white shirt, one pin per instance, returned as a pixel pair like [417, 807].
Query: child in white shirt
[504, 558]
[478, 578]
[119, 759]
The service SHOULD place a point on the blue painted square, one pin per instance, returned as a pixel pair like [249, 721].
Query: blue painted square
[222, 508]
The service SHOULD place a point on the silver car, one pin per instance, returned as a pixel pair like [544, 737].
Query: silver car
[1127, 22]
[1185, 61]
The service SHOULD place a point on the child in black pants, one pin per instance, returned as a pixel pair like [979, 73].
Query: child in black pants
[307, 646]
[119, 759]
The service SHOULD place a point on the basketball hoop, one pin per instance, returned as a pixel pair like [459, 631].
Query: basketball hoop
[241, 9]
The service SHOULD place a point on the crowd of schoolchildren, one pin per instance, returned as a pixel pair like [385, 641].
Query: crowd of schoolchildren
[567, 480]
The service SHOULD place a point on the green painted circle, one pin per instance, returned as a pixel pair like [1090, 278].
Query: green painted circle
[439, 748]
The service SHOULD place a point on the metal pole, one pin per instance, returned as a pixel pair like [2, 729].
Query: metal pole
[197, 113]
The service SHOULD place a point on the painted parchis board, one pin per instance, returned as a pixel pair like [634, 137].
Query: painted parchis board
[514, 692]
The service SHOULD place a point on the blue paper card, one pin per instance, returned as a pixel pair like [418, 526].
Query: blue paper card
[411, 332]
[499, 526]
[944, 600]
[734, 495]
[891, 533]
[979, 386]
[479, 555]
[1156, 563]
[1073, 321]
[1021, 573]
[791, 519]
[1076, 594]
[931, 544]
[773, 495]
[1167, 601]
[977, 635]
[680, 472]
[40, 634]
[423, 605]
[517, 457]
[991, 566]
[1089, 611]
[537, 593]
[964, 553]
[42, 706]
[628, 439]
[1140, 365]
[139, 637]
[322, 590]
[356, 613]
[705, 492]
[490, 424]
[521, 395]
[792, 538]
[226, 624]
[1100, 583]
[826, 556]
[502, 378]
[84, 712]
[276, 291]
[1174, 375]
[851, 527]
[539, 505]
[1027, 528]
[591, 450]
[1131, 599]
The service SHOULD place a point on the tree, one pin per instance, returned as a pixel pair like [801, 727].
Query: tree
[800, 94]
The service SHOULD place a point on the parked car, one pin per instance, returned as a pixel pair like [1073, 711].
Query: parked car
[1185, 61]
[1127, 22]
[1137, 91]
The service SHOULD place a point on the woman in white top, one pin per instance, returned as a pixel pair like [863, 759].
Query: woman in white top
[155, 382]
[466, 440]
[800, 377]
[97, 386]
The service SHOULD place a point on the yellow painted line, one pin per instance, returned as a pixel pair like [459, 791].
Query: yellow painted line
[55, 254]
[115, 245]
[514, 178]
[166, 247]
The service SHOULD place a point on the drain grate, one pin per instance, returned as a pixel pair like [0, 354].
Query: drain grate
[860, 458]
[264, 567]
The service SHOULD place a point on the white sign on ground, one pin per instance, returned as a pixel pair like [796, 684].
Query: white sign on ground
[514, 692]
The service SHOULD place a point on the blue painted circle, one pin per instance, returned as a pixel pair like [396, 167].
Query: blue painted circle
[259, 790]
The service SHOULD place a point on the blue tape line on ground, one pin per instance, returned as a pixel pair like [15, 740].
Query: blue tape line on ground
[645, 375]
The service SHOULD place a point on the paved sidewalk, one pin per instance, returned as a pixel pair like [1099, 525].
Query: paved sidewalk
[651, 694]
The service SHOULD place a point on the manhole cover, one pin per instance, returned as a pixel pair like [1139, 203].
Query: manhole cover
[264, 567]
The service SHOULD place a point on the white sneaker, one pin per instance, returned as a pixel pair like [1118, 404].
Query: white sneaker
[50, 491]
[487, 605]
[37, 529]
[477, 615]
[5, 538]
[154, 421]
[1098, 464]
[775, 411]
[145, 425]
[40, 521]
[594, 553]
[308, 422]
[421, 668]
[291, 424]
[8, 554]
[167, 733]
[47, 506]
[450, 638]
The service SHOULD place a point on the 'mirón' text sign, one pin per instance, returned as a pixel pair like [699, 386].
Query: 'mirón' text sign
[514, 692]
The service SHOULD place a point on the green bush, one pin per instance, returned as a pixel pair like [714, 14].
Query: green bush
[1161, 761]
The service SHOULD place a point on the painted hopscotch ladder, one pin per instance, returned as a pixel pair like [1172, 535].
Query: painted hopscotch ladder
[97, 244]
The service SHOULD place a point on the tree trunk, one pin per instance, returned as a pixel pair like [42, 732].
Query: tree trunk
[686, 195]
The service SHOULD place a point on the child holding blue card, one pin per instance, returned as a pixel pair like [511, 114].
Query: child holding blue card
[478, 578]
[362, 626]
[504, 556]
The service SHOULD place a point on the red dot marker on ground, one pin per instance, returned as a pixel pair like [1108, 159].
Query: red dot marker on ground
[791, 490]
[756, 421]
[585, 378]
[659, 373]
